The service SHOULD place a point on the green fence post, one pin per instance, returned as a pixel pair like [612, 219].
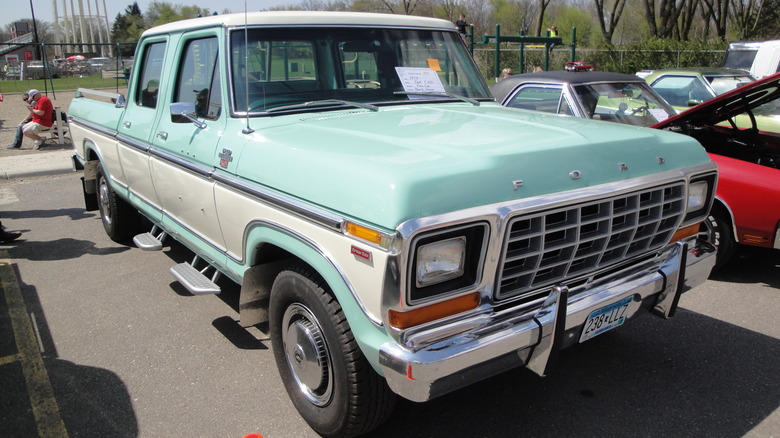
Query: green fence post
[522, 53]
[573, 42]
[470, 36]
[497, 55]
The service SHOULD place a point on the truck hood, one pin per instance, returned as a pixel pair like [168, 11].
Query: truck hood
[412, 161]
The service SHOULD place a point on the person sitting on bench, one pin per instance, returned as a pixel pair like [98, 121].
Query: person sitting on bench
[41, 110]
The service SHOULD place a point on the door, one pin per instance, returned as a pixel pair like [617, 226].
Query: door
[185, 146]
[140, 116]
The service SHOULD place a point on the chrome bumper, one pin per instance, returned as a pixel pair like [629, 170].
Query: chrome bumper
[512, 338]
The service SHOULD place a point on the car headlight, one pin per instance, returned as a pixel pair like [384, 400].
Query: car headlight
[701, 191]
[697, 196]
[446, 261]
[440, 261]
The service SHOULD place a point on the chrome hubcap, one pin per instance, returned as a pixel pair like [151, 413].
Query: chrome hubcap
[104, 202]
[307, 354]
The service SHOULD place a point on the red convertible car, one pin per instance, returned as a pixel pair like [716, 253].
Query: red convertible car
[747, 206]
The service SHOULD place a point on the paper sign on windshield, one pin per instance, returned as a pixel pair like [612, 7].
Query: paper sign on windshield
[419, 80]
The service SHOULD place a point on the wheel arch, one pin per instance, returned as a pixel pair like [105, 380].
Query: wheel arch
[721, 208]
[273, 248]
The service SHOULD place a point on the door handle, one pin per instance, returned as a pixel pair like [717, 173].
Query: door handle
[127, 124]
[163, 135]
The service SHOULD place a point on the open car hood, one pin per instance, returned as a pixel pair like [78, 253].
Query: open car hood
[727, 105]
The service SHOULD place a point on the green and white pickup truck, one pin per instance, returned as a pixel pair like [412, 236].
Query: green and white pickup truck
[399, 231]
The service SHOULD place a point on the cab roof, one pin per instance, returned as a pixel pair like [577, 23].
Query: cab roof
[303, 18]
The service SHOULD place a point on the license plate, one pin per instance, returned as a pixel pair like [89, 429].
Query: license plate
[605, 319]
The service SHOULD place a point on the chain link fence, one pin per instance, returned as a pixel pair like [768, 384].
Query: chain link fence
[619, 61]
[31, 61]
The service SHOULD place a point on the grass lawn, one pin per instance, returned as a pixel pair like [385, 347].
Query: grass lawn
[61, 84]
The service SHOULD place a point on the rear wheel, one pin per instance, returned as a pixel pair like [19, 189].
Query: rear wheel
[118, 217]
[328, 379]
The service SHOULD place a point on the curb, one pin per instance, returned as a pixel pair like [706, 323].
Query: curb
[29, 165]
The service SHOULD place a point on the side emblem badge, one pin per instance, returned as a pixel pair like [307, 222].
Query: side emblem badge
[225, 157]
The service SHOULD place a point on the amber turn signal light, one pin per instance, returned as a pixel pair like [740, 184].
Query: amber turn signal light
[411, 318]
[688, 231]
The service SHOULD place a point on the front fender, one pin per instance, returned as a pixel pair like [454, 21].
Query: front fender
[265, 240]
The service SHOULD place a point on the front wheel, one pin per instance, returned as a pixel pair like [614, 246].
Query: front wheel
[328, 379]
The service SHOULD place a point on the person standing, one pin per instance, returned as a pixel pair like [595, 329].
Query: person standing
[19, 133]
[41, 110]
[552, 32]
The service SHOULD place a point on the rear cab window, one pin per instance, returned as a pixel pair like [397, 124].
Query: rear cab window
[148, 86]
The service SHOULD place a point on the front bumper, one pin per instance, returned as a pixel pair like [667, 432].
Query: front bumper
[490, 344]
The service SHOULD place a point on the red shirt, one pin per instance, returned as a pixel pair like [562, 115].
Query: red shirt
[44, 119]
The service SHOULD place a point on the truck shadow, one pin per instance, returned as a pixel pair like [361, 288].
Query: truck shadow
[90, 401]
[752, 265]
[691, 375]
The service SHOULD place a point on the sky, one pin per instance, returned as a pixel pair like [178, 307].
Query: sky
[45, 12]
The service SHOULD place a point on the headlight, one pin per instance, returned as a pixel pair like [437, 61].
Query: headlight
[440, 261]
[446, 261]
[701, 191]
[697, 196]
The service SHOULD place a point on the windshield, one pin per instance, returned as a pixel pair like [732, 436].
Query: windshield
[740, 58]
[724, 84]
[622, 102]
[287, 67]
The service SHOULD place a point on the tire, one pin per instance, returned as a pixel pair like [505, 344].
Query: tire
[328, 379]
[119, 219]
[717, 230]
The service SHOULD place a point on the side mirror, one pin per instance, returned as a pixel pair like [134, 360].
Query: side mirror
[693, 102]
[187, 110]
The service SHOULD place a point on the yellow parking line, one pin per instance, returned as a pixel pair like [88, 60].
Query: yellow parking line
[10, 359]
[39, 389]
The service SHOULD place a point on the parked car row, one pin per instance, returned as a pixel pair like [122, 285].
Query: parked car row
[735, 118]
[57, 68]
[32, 70]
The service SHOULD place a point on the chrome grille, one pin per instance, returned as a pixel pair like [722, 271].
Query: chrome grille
[551, 246]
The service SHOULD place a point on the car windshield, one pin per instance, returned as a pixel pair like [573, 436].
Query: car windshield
[724, 84]
[295, 67]
[622, 102]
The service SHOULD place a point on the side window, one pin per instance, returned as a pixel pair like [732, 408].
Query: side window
[565, 108]
[537, 98]
[151, 71]
[197, 80]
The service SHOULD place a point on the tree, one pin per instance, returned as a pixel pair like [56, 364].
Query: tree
[666, 26]
[512, 15]
[163, 12]
[128, 27]
[608, 21]
[543, 4]
[717, 12]
[405, 7]
[747, 16]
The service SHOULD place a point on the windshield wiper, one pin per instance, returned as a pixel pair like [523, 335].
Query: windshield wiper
[326, 102]
[427, 93]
